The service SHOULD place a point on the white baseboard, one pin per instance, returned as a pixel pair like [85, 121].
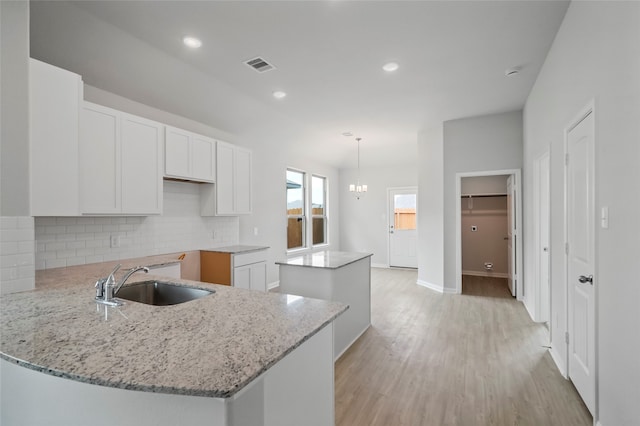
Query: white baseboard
[352, 342]
[557, 359]
[526, 306]
[430, 286]
[380, 265]
[273, 285]
[486, 274]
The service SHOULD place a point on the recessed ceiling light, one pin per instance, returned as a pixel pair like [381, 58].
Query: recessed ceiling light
[279, 94]
[390, 66]
[192, 42]
[348, 134]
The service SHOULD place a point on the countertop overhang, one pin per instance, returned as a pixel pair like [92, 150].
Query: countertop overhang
[327, 259]
[212, 347]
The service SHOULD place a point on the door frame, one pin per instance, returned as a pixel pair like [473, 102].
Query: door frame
[397, 188]
[537, 230]
[589, 108]
[517, 173]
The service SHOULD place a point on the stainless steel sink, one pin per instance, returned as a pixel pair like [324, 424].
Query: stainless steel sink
[160, 293]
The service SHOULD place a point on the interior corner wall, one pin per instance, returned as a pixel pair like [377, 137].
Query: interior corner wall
[476, 144]
[595, 57]
[14, 99]
[431, 208]
[364, 224]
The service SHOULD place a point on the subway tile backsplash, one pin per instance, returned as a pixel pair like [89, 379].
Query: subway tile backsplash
[68, 241]
[16, 254]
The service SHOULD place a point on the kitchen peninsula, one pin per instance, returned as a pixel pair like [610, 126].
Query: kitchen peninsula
[234, 357]
[334, 275]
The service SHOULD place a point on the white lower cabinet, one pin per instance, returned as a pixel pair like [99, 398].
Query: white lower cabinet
[120, 162]
[246, 269]
[253, 277]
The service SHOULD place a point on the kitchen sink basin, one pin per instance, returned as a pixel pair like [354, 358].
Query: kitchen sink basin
[160, 293]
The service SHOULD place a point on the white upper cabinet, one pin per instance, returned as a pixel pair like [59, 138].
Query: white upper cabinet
[231, 194]
[189, 156]
[54, 105]
[120, 162]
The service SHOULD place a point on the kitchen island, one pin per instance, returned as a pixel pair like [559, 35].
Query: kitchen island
[338, 276]
[234, 357]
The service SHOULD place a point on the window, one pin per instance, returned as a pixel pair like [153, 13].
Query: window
[319, 210]
[296, 220]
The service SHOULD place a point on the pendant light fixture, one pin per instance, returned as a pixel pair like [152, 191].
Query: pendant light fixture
[358, 189]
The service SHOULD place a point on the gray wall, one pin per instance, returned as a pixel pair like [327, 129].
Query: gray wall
[596, 57]
[364, 223]
[14, 119]
[490, 142]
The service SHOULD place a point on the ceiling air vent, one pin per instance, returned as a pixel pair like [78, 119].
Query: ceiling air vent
[260, 64]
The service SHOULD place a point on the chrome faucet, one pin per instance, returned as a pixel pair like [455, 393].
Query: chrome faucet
[106, 288]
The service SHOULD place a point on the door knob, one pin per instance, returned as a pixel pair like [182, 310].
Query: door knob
[584, 279]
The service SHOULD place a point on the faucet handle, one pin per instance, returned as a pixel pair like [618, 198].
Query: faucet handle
[100, 288]
[111, 279]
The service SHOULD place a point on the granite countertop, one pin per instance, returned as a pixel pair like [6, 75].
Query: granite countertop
[325, 259]
[212, 347]
[237, 249]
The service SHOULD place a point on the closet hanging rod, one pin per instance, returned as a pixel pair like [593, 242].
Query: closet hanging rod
[482, 195]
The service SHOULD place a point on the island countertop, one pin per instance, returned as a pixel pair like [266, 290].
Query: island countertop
[212, 347]
[328, 259]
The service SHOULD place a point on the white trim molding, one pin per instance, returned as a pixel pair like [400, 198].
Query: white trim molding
[485, 274]
[273, 285]
[430, 286]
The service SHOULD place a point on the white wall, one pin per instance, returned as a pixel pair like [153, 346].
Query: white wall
[270, 202]
[431, 208]
[490, 142]
[596, 56]
[364, 225]
[484, 185]
[14, 112]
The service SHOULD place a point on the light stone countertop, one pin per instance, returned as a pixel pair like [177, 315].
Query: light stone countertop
[237, 249]
[327, 259]
[212, 347]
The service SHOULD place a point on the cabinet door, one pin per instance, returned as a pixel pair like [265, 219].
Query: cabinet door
[54, 108]
[242, 181]
[203, 154]
[242, 277]
[176, 163]
[224, 179]
[141, 165]
[99, 164]
[259, 276]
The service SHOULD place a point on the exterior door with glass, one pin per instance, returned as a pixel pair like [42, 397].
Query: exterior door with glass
[403, 234]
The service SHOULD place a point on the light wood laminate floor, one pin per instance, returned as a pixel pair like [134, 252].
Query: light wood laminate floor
[434, 359]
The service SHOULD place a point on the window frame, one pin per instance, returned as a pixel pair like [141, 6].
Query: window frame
[302, 216]
[325, 209]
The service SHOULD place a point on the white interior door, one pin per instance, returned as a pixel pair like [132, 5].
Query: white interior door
[403, 234]
[544, 206]
[511, 236]
[580, 258]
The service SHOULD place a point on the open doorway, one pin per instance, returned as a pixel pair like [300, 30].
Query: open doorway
[488, 242]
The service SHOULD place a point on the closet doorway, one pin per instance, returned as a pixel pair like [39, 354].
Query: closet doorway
[488, 225]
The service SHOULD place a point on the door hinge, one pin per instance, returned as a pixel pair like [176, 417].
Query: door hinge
[566, 159]
[566, 337]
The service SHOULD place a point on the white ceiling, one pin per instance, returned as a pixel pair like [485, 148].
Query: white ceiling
[328, 54]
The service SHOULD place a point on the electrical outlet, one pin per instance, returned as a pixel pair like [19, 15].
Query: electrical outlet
[115, 241]
[215, 235]
[255, 231]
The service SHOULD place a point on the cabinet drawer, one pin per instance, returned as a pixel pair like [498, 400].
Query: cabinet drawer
[249, 258]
